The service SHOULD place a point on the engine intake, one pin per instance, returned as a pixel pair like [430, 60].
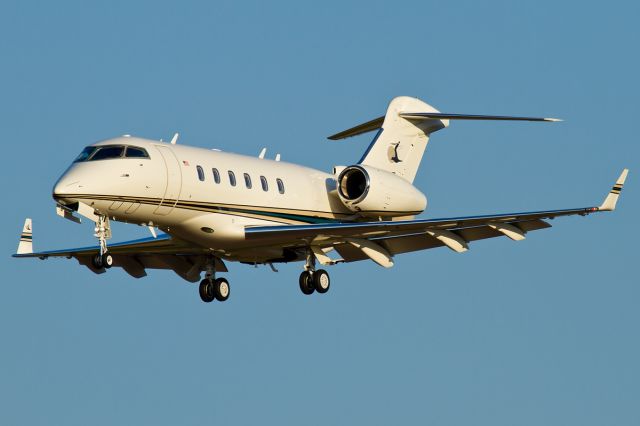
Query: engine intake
[354, 183]
[374, 192]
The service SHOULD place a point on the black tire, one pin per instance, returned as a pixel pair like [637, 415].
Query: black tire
[96, 261]
[221, 289]
[321, 281]
[206, 291]
[107, 260]
[306, 283]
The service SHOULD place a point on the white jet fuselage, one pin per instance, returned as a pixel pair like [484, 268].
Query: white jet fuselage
[175, 188]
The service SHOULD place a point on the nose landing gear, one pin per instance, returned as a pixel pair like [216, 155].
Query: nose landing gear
[103, 259]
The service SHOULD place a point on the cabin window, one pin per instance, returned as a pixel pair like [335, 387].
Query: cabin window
[200, 173]
[135, 152]
[85, 154]
[265, 185]
[247, 180]
[232, 178]
[107, 153]
[280, 185]
[216, 175]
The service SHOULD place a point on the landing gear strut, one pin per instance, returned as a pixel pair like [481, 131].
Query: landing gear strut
[212, 288]
[103, 259]
[313, 280]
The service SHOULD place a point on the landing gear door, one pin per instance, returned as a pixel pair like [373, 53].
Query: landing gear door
[173, 181]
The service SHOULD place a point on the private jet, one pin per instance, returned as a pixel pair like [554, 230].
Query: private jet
[215, 207]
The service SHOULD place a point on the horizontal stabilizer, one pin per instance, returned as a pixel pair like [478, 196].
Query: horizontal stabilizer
[369, 126]
[376, 123]
[444, 116]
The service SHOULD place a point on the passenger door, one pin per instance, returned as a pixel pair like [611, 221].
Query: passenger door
[173, 179]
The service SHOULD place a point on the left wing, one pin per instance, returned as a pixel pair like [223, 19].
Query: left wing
[163, 252]
[379, 241]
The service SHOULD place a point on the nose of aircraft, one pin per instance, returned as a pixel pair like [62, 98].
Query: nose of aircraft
[66, 187]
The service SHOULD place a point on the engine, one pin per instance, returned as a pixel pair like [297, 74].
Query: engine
[374, 192]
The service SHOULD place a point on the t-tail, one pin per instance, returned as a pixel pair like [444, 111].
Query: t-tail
[403, 134]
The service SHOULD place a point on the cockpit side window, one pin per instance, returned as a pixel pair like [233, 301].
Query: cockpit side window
[135, 152]
[107, 153]
[85, 154]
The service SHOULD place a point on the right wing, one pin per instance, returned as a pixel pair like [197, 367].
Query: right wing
[379, 241]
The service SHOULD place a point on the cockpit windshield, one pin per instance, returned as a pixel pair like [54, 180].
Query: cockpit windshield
[85, 154]
[109, 152]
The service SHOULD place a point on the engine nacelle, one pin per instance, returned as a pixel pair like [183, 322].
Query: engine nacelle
[374, 192]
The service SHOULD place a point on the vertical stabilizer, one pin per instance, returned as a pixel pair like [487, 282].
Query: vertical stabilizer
[26, 238]
[400, 143]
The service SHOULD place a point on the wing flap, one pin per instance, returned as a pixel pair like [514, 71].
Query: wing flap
[423, 241]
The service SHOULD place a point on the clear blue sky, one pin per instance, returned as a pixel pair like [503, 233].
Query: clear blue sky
[543, 331]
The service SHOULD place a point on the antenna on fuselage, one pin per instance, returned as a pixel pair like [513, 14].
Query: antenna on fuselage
[174, 139]
[277, 157]
[262, 153]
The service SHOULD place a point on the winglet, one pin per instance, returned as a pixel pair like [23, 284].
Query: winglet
[26, 238]
[609, 203]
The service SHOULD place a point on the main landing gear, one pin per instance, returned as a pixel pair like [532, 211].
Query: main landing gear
[313, 280]
[212, 288]
[103, 259]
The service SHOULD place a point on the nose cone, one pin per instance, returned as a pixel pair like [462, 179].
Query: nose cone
[66, 188]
